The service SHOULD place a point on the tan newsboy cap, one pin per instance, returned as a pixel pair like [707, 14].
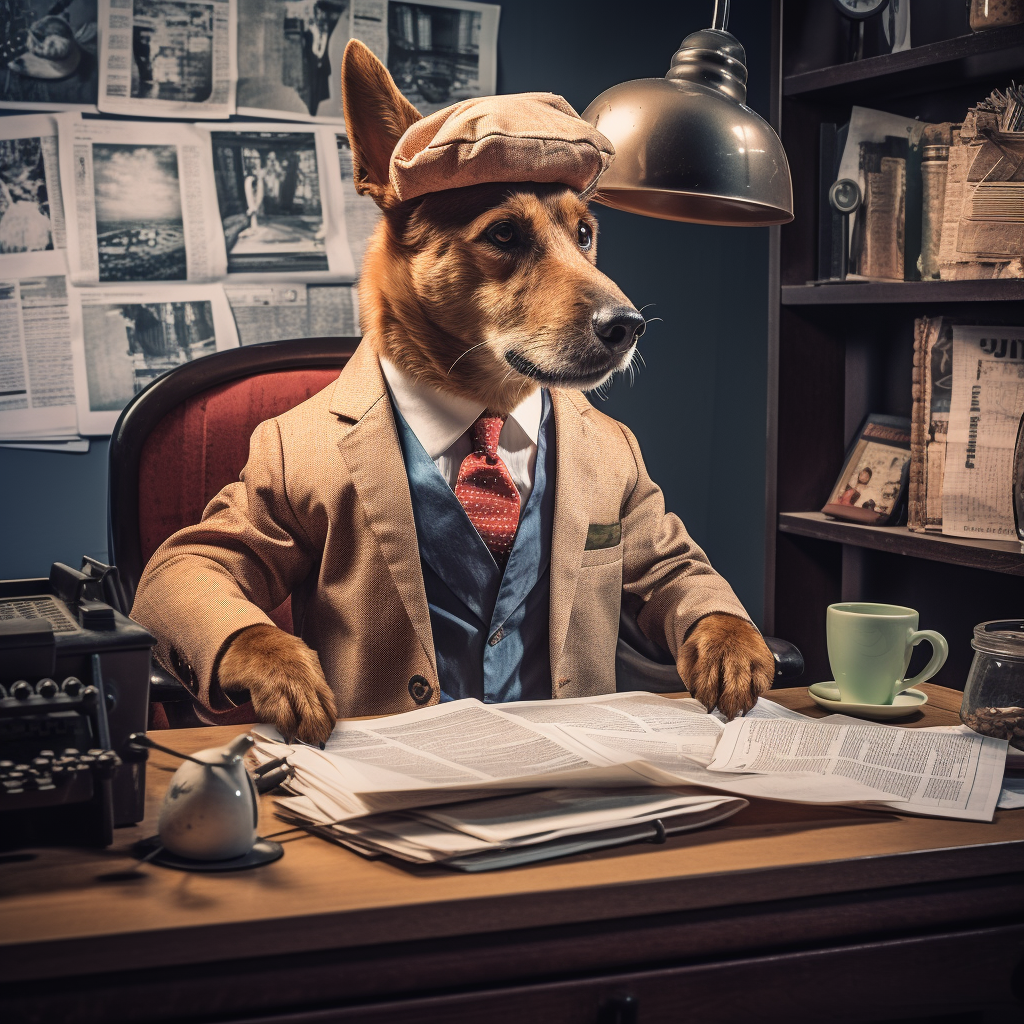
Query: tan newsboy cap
[529, 136]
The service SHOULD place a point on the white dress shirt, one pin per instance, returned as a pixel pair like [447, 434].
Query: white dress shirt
[441, 423]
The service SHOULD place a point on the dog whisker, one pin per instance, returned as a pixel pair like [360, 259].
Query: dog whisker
[648, 306]
[654, 320]
[466, 353]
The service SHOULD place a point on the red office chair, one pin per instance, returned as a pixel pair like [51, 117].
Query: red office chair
[183, 438]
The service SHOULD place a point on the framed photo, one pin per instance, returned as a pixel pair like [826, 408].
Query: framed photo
[872, 486]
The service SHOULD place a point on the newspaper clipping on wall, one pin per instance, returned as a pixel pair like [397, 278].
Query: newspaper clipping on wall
[48, 55]
[37, 390]
[124, 338]
[140, 202]
[168, 58]
[281, 312]
[279, 193]
[289, 56]
[31, 209]
[985, 410]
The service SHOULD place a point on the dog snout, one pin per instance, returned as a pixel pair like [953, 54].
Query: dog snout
[618, 327]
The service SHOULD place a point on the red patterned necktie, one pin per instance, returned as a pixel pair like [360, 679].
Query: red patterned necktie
[486, 490]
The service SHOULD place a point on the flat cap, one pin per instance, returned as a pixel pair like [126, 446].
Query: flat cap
[529, 136]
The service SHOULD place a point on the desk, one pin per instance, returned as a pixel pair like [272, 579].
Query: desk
[783, 912]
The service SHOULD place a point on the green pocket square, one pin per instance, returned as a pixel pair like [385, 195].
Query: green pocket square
[603, 535]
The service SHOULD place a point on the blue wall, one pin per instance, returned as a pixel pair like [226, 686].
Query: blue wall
[698, 408]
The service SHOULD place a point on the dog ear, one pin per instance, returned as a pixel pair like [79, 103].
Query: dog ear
[376, 117]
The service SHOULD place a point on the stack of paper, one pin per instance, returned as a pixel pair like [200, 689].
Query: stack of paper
[476, 786]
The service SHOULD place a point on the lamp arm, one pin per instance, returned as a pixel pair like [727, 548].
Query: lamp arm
[721, 16]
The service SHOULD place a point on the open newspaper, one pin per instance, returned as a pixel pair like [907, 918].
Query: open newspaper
[140, 202]
[434, 785]
[287, 310]
[985, 410]
[167, 58]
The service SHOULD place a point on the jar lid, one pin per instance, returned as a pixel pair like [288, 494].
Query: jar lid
[1000, 636]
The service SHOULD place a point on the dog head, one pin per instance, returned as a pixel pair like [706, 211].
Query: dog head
[487, 290]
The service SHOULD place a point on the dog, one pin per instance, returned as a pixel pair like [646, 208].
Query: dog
[488, 292]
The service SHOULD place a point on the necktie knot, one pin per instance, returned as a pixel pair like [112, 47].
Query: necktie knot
[485, 433]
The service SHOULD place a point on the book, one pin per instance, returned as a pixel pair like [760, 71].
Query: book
[915, 503]
[937, 384]
[872, 485]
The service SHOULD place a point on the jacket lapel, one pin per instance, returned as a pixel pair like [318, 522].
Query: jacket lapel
[372, 452]
[572, 514]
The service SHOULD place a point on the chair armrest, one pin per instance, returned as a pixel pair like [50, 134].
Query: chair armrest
[165, 689]
[789, 662]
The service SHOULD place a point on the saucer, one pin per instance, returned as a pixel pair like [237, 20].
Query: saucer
[826, 695]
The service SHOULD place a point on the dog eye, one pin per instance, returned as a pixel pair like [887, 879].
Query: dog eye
[584, 236]
[503, 233]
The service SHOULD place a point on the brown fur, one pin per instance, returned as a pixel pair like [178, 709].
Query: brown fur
[463, 314]
[726, 663]
[285, 682]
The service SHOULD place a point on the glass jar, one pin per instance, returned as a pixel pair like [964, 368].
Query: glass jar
[987, 14]
[994, 695]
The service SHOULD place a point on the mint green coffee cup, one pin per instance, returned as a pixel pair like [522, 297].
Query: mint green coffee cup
[869, 649]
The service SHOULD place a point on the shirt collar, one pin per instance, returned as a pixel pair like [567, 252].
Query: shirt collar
[439, 419]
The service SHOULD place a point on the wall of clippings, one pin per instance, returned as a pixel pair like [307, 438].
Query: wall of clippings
[175, 180]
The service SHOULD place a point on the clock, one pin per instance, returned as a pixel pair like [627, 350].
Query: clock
[861, 9]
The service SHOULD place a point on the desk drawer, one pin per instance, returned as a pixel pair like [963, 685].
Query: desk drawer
[972, 972]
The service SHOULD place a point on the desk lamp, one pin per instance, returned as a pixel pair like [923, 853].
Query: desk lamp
[687, 147]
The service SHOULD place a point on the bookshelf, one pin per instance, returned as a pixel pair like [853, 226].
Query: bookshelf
[840, 351]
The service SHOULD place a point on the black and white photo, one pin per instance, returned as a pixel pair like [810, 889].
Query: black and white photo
[25, 218]
[48, 54]
[271, 206]
[434, 53]
[140, 233]
[131, 344]
[167, 58]
[124, 338]
[172, 50]
[289, 58]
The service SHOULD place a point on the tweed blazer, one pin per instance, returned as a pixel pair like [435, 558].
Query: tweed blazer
[322, 512]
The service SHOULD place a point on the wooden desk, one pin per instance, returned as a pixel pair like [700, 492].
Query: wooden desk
[782, 913]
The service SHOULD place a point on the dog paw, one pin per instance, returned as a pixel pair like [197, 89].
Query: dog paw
[726, 663]
[285, 682]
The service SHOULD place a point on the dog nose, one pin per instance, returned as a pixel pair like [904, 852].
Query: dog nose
[618, 327]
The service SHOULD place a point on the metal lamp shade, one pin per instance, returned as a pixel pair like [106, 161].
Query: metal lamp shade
[687, 148]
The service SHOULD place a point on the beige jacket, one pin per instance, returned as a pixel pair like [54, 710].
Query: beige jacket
[322, 511]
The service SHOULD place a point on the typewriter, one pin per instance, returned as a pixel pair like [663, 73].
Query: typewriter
[74, 685]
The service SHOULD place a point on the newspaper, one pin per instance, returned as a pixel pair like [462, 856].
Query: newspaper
[124, 338]
[283, 312]
[282, 211]
[985, 411]
[522, 828]
[31, 208]
[48, 55]
[289, 59]
[940, 773]
[438, 51]
[168, 58]
[466, 749]
[362, 215]
[140, 202]
[37, 388]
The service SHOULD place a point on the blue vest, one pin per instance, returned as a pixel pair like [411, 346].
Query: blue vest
[490, 630]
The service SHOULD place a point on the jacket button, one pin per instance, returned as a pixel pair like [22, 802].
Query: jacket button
[420, 690]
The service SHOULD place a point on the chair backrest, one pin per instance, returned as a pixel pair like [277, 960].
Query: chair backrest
[185, 436]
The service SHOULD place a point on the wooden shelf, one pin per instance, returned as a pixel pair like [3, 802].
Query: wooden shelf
[994, 555]
[866, 292]
[983, 55]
